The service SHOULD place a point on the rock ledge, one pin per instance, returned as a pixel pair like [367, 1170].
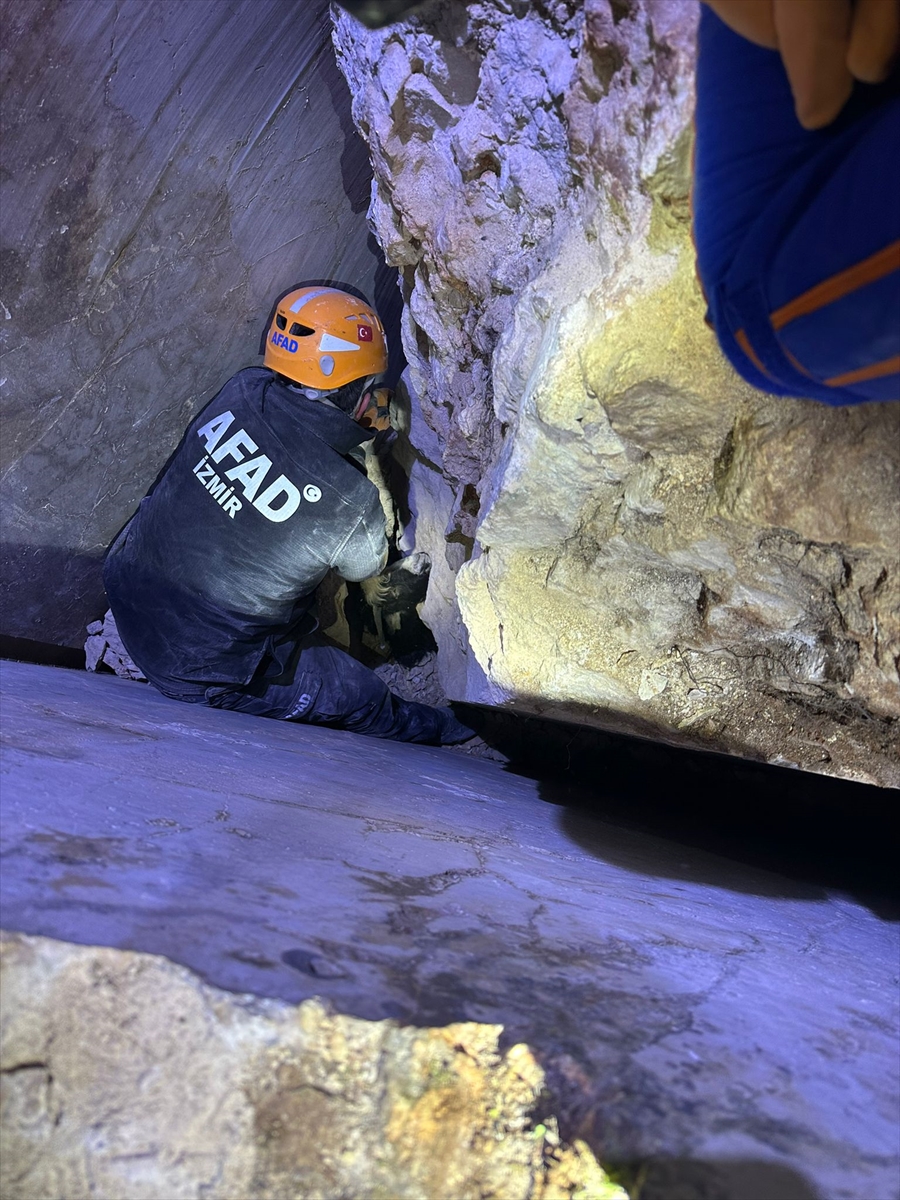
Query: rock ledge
[124, 1076]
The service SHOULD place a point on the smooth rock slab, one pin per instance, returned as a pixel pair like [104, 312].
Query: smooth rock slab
[735, 1028]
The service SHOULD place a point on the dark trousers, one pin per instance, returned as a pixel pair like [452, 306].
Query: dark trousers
[323, 685]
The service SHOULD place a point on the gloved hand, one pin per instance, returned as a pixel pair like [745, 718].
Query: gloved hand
[401, 585]
[378, 417]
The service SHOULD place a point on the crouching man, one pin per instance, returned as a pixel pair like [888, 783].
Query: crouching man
[212, 580]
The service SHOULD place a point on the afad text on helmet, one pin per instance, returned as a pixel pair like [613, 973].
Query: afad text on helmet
[277, 502]
[286, 343]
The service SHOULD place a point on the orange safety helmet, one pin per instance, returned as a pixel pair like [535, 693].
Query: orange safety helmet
[323, 338]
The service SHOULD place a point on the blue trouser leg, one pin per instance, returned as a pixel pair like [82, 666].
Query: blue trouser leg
[325, 686]
[797, 231]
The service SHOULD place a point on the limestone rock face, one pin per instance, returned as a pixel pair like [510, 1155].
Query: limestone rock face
[620, 528]
[124, 1076]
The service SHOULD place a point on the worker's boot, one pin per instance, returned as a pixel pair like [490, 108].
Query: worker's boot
[453, 731]
[415, 722]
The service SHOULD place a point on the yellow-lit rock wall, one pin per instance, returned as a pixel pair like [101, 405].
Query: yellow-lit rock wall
[621, 530]
[675, 553]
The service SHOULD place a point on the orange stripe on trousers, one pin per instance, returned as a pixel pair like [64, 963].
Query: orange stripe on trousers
[744, 342]
[874, 267]
[890, 366]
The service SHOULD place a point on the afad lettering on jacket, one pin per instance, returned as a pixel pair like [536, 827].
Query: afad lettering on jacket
[277, 502]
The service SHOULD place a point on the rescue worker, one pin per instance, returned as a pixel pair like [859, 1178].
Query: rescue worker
[212, 580]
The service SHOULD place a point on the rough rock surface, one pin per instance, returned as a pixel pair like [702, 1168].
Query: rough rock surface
[621, 529]
[169, 168]
[123, 1075]
[104, 646]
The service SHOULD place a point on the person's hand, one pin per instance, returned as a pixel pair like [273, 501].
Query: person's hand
[824, 45]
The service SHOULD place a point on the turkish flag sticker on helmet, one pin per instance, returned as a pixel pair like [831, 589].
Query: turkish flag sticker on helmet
[364, 333]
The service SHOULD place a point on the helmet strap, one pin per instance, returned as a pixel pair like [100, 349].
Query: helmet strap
[323, 396]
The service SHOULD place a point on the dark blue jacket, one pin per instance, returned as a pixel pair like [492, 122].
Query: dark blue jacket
[217, 568]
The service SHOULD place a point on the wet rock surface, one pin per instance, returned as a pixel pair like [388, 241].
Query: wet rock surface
[621, 530]
[727, 1030]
